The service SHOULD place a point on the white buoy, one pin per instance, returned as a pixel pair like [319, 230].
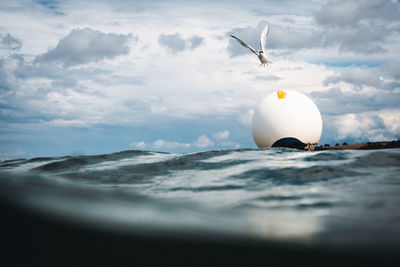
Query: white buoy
[284, 116]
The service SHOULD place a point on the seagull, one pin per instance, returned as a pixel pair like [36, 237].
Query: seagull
[260, 54]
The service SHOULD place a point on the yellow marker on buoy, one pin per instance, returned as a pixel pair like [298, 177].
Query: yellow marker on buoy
[281, 94]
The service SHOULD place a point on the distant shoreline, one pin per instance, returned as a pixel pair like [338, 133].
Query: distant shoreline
[367, 146]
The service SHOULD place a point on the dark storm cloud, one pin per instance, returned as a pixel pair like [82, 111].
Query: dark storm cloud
[176, 43]
[84, 46]
[10, 42]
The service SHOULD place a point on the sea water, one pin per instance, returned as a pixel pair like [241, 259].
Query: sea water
[347, 198]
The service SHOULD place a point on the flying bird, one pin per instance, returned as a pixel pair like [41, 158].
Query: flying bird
[260, 54]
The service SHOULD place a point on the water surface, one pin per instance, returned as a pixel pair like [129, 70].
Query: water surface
[333, 199]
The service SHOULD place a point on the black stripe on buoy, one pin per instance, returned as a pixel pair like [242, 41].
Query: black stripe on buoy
[290, 142]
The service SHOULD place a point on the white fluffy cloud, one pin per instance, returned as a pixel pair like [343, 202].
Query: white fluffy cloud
[169, 145]
[203, 141]
[140, 145]
[368, 126]
[246, 117]
[159, 144]
[221, 135]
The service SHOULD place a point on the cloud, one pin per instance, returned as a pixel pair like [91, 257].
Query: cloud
[50, 5]
[336, 102]
[267, 78]
[86, 45]
[4, 76]
[246, 117]
[203, 141]
[249, 35]
[391, 69]
[195, 41]
[140, 145]
[343, 13]
[8, 67]
[279, 37]
[356, 76]
[65, 82]
[173, 42]
[381, 125]
[292, 38]
[10, 42]
[221, 135]
[359, 39]
[358, 26]
[169, 145]
[385, 77]
[222, 138]
[159, 144]
[176, 43]
[339, 13]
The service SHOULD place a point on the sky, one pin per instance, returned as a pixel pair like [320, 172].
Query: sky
[91, 77]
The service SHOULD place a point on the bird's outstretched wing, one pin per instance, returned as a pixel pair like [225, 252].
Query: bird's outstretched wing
[263, 38]
[245, 45]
